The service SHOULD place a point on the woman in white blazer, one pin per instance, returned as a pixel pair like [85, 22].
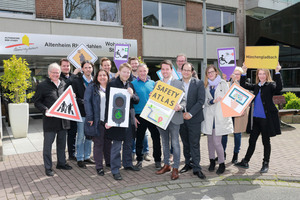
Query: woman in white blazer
[214, 124]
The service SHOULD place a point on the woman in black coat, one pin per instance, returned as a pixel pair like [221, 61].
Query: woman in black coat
[265, 114]
[121, 134]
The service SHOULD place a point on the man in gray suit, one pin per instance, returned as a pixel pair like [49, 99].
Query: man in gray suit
[173, 128]
[193, 116]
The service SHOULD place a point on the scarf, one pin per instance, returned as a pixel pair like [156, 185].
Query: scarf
[215, 82]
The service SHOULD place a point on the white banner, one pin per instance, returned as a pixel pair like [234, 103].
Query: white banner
[58, 45]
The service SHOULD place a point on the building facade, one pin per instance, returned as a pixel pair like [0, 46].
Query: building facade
[161, 28]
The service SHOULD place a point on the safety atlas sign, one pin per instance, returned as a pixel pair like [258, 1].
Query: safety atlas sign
[159, 108]
[65, 107]
[261, 56]
[80, 54]
[118, 107]
[236, 100]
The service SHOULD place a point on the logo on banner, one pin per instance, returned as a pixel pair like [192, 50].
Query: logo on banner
[66, 107]
[25, 41]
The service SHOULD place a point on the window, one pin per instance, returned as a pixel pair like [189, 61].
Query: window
[109, 11]
[220, 21]
[20, 8]
[93, 10]
[163, 14]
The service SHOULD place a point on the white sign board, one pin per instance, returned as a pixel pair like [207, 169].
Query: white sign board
[58, 45]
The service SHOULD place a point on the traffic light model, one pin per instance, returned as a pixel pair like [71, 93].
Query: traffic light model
[119, 108]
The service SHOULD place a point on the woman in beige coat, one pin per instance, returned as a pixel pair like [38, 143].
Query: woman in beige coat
[214, 124]
[240, 123]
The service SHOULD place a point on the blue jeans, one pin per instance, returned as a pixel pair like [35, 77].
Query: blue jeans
[145, 145]
[171, 133]
[237, 142]
[83, 146]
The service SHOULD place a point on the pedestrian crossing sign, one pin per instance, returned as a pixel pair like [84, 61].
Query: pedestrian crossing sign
[65, 107]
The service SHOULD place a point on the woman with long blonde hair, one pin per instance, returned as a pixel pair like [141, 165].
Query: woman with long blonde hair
[265, 114]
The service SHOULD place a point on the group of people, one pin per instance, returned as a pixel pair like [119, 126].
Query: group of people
[199, 111]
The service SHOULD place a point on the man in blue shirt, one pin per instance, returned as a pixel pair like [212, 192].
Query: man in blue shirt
[143, 86]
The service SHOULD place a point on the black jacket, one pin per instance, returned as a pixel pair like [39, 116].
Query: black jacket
[46, 95]
[118, 133]
[69, 79]
[79, 89]
[268, 90]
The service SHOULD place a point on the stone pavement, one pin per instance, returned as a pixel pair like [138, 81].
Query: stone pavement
[23, 177]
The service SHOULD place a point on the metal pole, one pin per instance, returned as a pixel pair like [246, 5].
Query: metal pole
[204, 63]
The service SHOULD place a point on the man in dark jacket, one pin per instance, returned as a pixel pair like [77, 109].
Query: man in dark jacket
[46, 94]
[68, 77]
[83, 144]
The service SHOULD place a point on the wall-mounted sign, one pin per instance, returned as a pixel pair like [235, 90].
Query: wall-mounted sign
[59, 45]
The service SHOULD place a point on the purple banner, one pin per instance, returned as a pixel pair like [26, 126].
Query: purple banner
[226, 60]
[121, 54]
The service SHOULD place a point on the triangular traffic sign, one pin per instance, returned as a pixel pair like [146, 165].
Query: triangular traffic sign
[65, 107]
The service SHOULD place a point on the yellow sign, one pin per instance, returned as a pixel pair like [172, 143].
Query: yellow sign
[166, 95]
[261, 56]
[80, 54]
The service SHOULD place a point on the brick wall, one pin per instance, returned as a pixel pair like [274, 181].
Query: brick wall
[193, 16]
[131, 15]
[49, 9]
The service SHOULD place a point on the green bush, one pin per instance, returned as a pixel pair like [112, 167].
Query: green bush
[289, 96]
[293, 104]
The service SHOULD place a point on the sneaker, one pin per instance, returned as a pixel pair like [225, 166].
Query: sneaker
[89, 161]
[49, 172]
[243, 164]
[117, 176]
[72, 158]
[147, 157]
[139, 164]
[81, 164]
[64, 167]
[100, 172]
[158, 165]
[132, 168]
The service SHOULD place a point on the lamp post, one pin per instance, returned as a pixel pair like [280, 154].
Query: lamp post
[204, 63]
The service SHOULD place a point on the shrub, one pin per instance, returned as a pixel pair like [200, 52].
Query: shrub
[293, 104]
[289, 96]
[16, 79]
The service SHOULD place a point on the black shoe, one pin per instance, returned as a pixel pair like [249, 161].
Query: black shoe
[81, 164]
[72, 158]
[265, 167]
[200, 174]
[49, 172]
[139, 164]
[100, 172]
[132, 168]
[117, 177]
[221, 169]
[89, 161]
[185, 168]
[212, 165]
[107, 165]
[234, 158]
[243, 164]
[64, 167]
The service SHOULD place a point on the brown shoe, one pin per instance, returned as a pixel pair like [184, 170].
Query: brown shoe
[164, 169]
[175, 174]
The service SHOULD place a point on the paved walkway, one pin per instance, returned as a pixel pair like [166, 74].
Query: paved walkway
[22, 172]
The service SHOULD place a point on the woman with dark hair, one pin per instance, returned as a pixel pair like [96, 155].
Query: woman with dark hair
[94, 104]
[265, 114]
[214, 124]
